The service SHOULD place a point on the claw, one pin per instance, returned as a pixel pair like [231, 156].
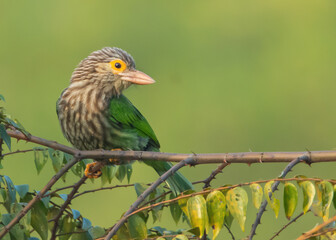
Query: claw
[89, 173]
[113, 160]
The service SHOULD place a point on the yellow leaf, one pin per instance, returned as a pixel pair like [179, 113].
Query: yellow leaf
[216, 204]
[325, 193]
[257, 194]
[237, 200]
[274, 202]
[308, 190]
[197, 213]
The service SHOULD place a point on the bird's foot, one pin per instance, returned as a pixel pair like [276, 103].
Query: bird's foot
[89, 173]
[113, 160]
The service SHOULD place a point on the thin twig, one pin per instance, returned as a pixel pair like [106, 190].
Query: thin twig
[69, 233]
[57, 190]
[38, 197]
[103, 188]
[232, 236]
[289, 223]
[213, 174]
[146, 193]
[274, 188]
[20, 151]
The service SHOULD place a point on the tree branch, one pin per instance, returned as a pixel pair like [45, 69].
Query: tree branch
[142, 197]
[38, 197]
[244, 157]
[274, 188]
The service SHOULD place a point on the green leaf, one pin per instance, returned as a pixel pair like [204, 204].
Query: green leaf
[228, 217]
[11, 192]
[81, 236]
[86, 224]
[78, 168]
[39, 220]
[180, 237]
[325, 193]
[111, 172]
[96, 232]
[52, 213]
[2, 98]
[236, 200]
[129, 171]
[334, 198]
[26, 220]
[175, 209]
[216, 205]
[22, 190]
[3, 194]
[45, 200]
[64, 197]
[290, 199]
[274, 202]
[75, 213]
[4, 135]
[123, 233]
[39, 161]
[257, 195]
[121, 173]
[197, 213]
[140, 188]
[137, 227]
[56, 158]
[16, 232]
[308, 190]
[104, 176]
[67, 226]
[15, 123]
[159, 195]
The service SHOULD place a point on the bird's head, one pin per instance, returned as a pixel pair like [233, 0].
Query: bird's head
[109, 68]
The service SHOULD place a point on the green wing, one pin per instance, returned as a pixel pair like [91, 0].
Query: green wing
[123, 113]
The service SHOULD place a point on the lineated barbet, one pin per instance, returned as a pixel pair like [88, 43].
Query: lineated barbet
[94, 114]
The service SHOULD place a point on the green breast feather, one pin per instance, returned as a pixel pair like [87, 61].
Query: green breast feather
[123, 112]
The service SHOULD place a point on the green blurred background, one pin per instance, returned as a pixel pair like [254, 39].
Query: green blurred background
[232, 76]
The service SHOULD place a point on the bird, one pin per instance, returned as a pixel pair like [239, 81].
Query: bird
[94, 114]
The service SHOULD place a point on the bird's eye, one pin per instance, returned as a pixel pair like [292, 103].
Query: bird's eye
[118, 66]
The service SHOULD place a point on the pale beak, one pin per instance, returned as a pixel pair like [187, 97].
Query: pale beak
[136, 77]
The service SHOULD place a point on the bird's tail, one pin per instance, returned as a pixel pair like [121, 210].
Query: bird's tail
[177, 182]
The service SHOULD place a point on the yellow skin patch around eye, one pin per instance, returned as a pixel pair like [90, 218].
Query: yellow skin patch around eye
[118, 66]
